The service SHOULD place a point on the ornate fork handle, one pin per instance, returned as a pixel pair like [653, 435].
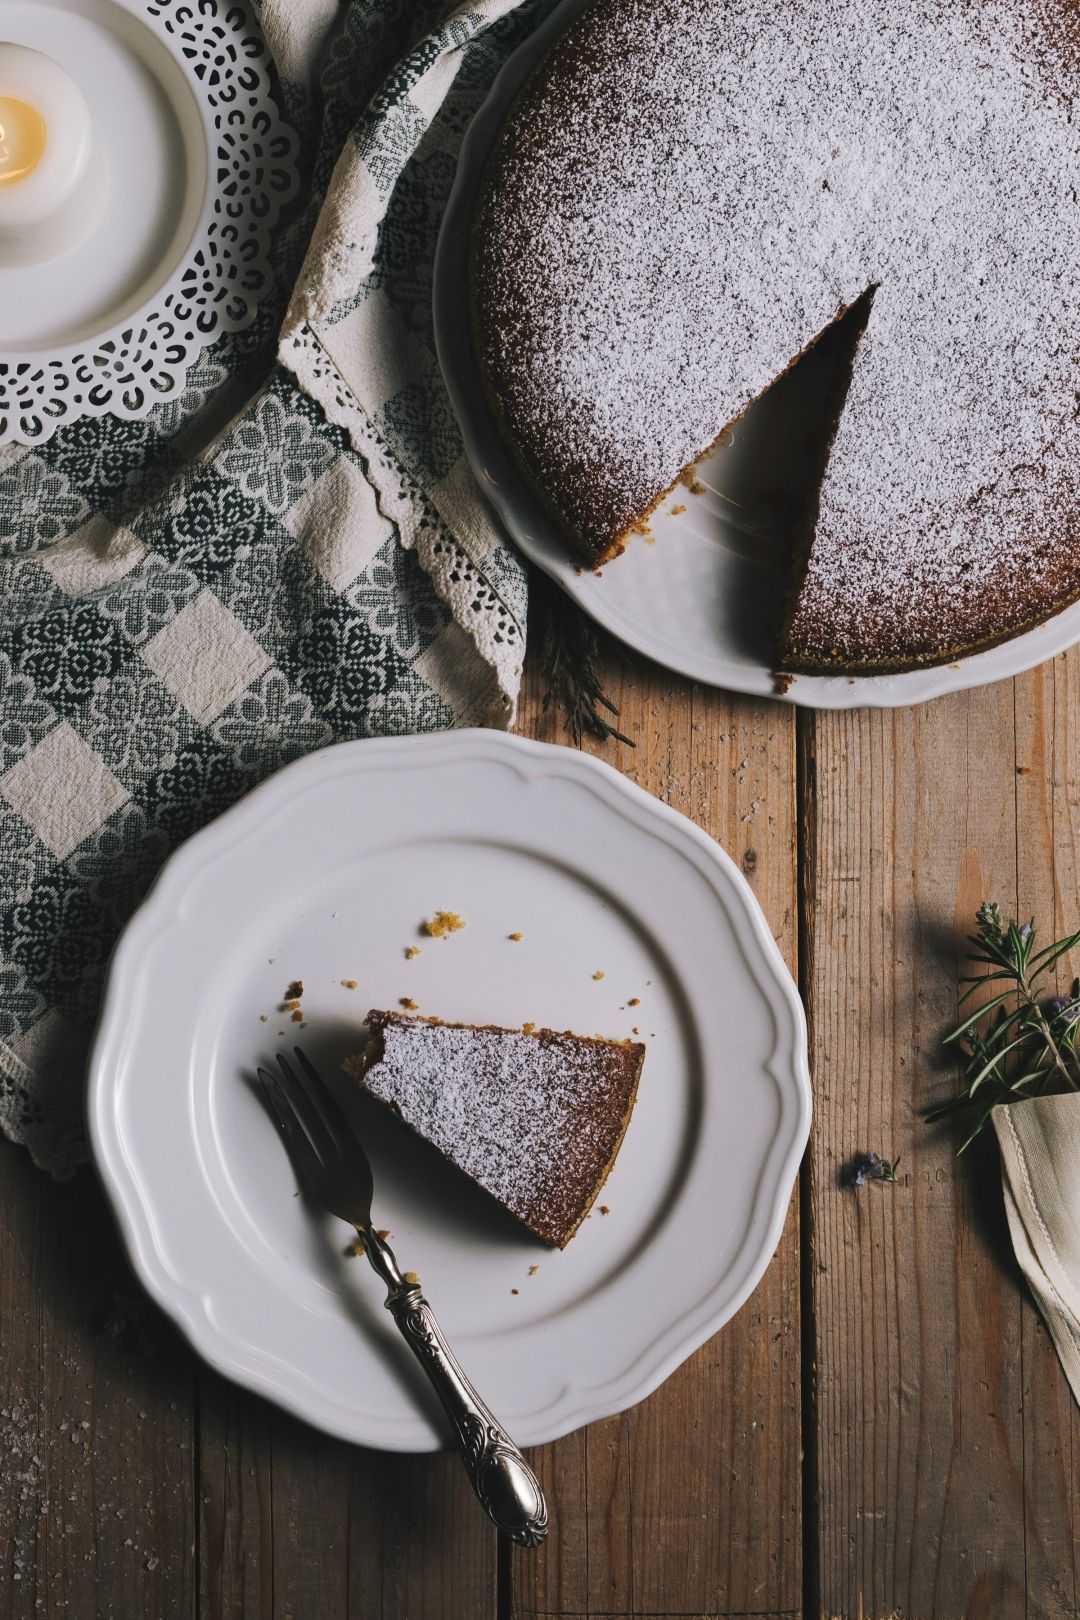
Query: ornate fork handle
[505, 1485]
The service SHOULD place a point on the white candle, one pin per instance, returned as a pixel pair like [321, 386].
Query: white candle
[52, 179]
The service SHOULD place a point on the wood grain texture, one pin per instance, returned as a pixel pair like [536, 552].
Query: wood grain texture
[936, 1392]
[96, 1449]
[296, 1524]
[690, 1503]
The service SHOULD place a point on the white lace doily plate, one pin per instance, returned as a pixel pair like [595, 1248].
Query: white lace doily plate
[325, 874]
[704, 599]
[199, 166]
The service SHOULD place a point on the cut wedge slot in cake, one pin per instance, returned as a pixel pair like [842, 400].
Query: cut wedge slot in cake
[534, 1117]
[682, 196]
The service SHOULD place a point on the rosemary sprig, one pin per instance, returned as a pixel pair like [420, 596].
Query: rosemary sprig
[1018, 1043]
[569, 660]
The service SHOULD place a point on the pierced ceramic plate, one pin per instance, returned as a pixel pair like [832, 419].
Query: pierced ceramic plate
[325, 873]
[703, 595]
[199, 167]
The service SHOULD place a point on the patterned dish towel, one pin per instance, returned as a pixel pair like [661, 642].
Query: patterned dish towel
[290, 553]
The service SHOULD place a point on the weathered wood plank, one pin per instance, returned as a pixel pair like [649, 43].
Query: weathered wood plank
[929, 1500]
[97, 1482]
[690, 1504]
[295, 1523]
[1047, 707]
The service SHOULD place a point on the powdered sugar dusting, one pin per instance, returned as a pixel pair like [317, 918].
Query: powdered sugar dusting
[533, 1118]
[693, 191]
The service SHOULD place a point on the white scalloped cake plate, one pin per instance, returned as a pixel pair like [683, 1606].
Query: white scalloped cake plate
[326, 873]
[705, 596]
[199, 168]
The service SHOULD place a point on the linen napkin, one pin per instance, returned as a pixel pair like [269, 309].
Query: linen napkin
[1040, 1172]
[289, 553]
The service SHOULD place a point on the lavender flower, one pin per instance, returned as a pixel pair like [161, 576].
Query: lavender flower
[866, 1167]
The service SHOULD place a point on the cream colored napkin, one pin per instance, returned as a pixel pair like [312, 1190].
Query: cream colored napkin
[1040, 1172]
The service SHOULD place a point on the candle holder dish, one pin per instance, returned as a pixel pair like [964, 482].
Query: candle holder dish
[167, 240]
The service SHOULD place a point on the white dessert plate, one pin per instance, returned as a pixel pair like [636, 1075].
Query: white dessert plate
[703, 594]
[198, 165]
[326, 873]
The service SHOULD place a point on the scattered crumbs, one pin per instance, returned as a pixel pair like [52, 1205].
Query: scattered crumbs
[527, 1029]
[264, 1018]
[384, 1232]
[676, 510]
[295, 990]
[443, 923]
[533, 1270]
[513, 1290]
[604, 1210]
[297, 1016]
[271, 960]
[348, 984]
[408, 1003]
[515, 936]
[303, 1023]
[411, 951]
[356, 1246]
[412, 1278]
[281, 1032]
[290, 1006]
[635, 1001]
[635, 1030]
[599, 974]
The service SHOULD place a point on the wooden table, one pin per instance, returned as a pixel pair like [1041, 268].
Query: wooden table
[883, 1431]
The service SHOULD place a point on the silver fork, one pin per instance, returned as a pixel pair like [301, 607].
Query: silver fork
[334, 1168]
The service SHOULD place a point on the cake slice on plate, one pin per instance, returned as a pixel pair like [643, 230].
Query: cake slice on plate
[534, 1116]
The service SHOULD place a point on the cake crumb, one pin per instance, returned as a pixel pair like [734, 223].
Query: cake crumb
[291, 1005]
[634, 1030]
[281, 1032]
[408, 1003]
[348, 984]
[513, 1290]
[527, 1028]
[444, 923]
[515, 936]
[635, 1001]
[604, 1210]
[533, 1270]
[411, 951]
[295, 990]
[677, 510]
[297, 1016]
[264, 1018]
[384, 1232]
[271, 960]
[412, 1278]
[599, 974]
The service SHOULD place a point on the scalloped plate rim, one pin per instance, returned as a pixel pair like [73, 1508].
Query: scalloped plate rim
[189, 1307]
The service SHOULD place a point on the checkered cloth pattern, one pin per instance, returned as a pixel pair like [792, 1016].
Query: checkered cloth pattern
[290, 553]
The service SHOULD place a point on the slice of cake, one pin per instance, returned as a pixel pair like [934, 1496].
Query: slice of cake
[535, 1117]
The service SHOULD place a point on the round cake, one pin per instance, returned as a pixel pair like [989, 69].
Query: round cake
[686, 194]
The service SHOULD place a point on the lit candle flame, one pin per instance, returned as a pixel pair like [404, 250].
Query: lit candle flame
[22, 139]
